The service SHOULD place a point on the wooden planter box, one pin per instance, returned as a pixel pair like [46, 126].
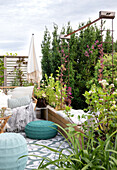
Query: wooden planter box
[54, 117]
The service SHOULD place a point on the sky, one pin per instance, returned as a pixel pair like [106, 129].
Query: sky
[20, 18]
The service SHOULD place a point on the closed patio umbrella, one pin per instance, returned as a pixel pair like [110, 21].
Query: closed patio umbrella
[33, 72]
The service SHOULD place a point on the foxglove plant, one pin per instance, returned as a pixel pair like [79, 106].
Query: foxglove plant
[96, 49]
[64, 61]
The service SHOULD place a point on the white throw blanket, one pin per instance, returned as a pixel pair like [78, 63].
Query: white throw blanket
[21, 116]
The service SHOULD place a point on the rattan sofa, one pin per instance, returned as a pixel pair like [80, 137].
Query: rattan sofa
[20, 104]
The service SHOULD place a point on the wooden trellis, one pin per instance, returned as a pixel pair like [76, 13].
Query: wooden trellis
[11, 62]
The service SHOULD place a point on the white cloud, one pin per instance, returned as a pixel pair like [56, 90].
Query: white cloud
[19, 19]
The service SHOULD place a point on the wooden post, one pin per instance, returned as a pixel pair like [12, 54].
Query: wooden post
[5, 71]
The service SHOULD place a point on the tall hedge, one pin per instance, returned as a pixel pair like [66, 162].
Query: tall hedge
[83, 53]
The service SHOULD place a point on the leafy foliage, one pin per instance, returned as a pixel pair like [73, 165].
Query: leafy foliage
[115, 46]
[46, 51]
[108, 71]
[102, 100]
[108, 43]
[51, 90]
[81, 65]
[1, 72]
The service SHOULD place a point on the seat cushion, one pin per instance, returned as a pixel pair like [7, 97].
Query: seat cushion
[18, 102]
[41, 129]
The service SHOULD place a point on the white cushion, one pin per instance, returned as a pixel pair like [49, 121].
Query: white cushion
[3, 100]
[21, 92]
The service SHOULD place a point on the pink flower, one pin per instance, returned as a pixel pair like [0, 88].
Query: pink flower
[100, 45]
[100, 70]
[62, 51]
[86, 54]
[102, 60]
[69, 88]
[92, 46]
[87, 46]
[96, 41]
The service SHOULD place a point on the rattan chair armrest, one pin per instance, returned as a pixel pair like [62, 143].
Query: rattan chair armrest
[35, 101]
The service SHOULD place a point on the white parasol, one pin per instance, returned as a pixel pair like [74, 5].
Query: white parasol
[33, 72]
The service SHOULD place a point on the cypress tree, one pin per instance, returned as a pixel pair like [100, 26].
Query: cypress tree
[56, 58]
[108, 43]
[47, 55]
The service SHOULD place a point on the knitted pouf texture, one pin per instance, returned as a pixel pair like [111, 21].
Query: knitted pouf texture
[41, 129]
[12, 147]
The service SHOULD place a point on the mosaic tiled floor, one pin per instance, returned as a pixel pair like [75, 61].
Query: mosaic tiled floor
[33, 162]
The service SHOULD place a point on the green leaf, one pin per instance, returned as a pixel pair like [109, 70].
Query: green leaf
[109, 150]
[114, 160]
[88, 165]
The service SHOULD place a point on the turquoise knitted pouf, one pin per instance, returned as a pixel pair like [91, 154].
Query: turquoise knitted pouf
[12, 146]
[41, 129]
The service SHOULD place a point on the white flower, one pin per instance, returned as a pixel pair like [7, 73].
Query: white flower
[43, 95]
[113, 107]
[100, 81]
[90, 91]
[114, 102]
[101, 99]
[103, 82]
[114, 92]
[112, 85]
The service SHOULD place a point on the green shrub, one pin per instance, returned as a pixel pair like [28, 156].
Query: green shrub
[103, 100]
[1, 72]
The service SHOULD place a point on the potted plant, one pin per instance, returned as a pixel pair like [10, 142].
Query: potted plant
[39, 93]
